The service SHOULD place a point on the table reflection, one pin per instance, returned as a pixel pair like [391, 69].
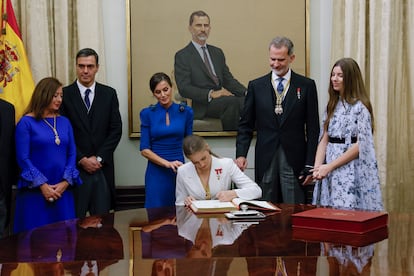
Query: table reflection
[348, 260]
[159, 236]
[205, 233]
[170, 241]
[215, 242]
[198, 237]
[218, 247]
[74, 247]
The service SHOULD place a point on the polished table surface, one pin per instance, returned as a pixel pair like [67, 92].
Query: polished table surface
[174, 241]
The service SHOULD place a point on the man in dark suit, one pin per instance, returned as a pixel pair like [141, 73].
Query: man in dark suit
[284, 113]
[93, 110]
[8, 166]
[203, 76]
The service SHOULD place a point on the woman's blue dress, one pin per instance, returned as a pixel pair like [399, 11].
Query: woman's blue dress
[41, 160]
[166, 141]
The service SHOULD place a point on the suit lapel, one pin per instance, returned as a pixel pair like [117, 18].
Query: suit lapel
[215, 165]
[80, 107]
[268, 100]
[192, 177]
[198, 59]
[214, 61]
[290, 99]
[95, 103]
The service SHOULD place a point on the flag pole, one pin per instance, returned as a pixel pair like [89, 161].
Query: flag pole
[3, 16]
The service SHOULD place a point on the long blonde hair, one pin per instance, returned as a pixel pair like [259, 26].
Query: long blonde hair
[194, 143]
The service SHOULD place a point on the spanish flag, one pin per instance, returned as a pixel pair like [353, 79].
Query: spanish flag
[16, 81]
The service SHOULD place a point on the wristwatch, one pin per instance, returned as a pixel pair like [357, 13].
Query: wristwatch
[99, 159]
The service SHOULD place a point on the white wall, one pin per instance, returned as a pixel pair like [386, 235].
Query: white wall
[320, 47]
[129, 164]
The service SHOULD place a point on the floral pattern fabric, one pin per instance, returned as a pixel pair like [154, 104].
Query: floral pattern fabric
[356, 184]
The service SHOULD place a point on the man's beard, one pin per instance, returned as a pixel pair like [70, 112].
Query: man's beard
[202, 37]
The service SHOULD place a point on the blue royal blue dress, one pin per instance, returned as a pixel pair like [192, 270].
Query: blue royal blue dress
[166, 142]
[41, 160]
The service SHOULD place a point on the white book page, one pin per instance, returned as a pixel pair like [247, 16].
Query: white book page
[204, 204]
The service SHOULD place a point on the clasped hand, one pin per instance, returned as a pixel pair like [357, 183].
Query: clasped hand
[53, 192]
[321, 171]
[220, 93]
[90, 164]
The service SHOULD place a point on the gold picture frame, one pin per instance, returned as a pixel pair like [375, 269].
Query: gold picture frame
[156, 30]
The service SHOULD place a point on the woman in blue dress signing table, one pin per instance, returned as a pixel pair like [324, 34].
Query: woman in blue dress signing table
[46, 155]
[163, 128]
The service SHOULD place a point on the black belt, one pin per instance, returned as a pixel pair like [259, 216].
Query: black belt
[338, 140]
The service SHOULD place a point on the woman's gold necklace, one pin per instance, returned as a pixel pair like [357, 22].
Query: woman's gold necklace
[57, 139]
[205, 182]
[206, 186]
[207, 190]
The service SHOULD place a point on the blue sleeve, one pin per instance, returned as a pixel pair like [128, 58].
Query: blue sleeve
[30, 175]
[145, 130]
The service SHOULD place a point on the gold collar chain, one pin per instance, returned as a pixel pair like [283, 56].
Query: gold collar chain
[57, 139]
[279, 97]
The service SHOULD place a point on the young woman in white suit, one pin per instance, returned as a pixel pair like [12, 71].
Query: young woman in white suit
[210, 177]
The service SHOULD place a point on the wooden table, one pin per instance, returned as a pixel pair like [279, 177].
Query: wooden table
[173, 241]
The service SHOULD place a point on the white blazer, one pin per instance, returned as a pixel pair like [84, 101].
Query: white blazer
[223, 172]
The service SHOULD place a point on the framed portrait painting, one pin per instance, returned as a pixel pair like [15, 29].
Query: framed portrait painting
[243, 29]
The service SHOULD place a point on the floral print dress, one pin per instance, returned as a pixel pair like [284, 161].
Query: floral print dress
[354, 185]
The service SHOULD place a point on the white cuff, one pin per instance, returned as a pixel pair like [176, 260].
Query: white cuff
[209, 98]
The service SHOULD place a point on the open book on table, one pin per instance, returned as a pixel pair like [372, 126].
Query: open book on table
[216, 206]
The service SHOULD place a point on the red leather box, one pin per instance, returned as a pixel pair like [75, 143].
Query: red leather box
[349, 221]
[338, 237]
